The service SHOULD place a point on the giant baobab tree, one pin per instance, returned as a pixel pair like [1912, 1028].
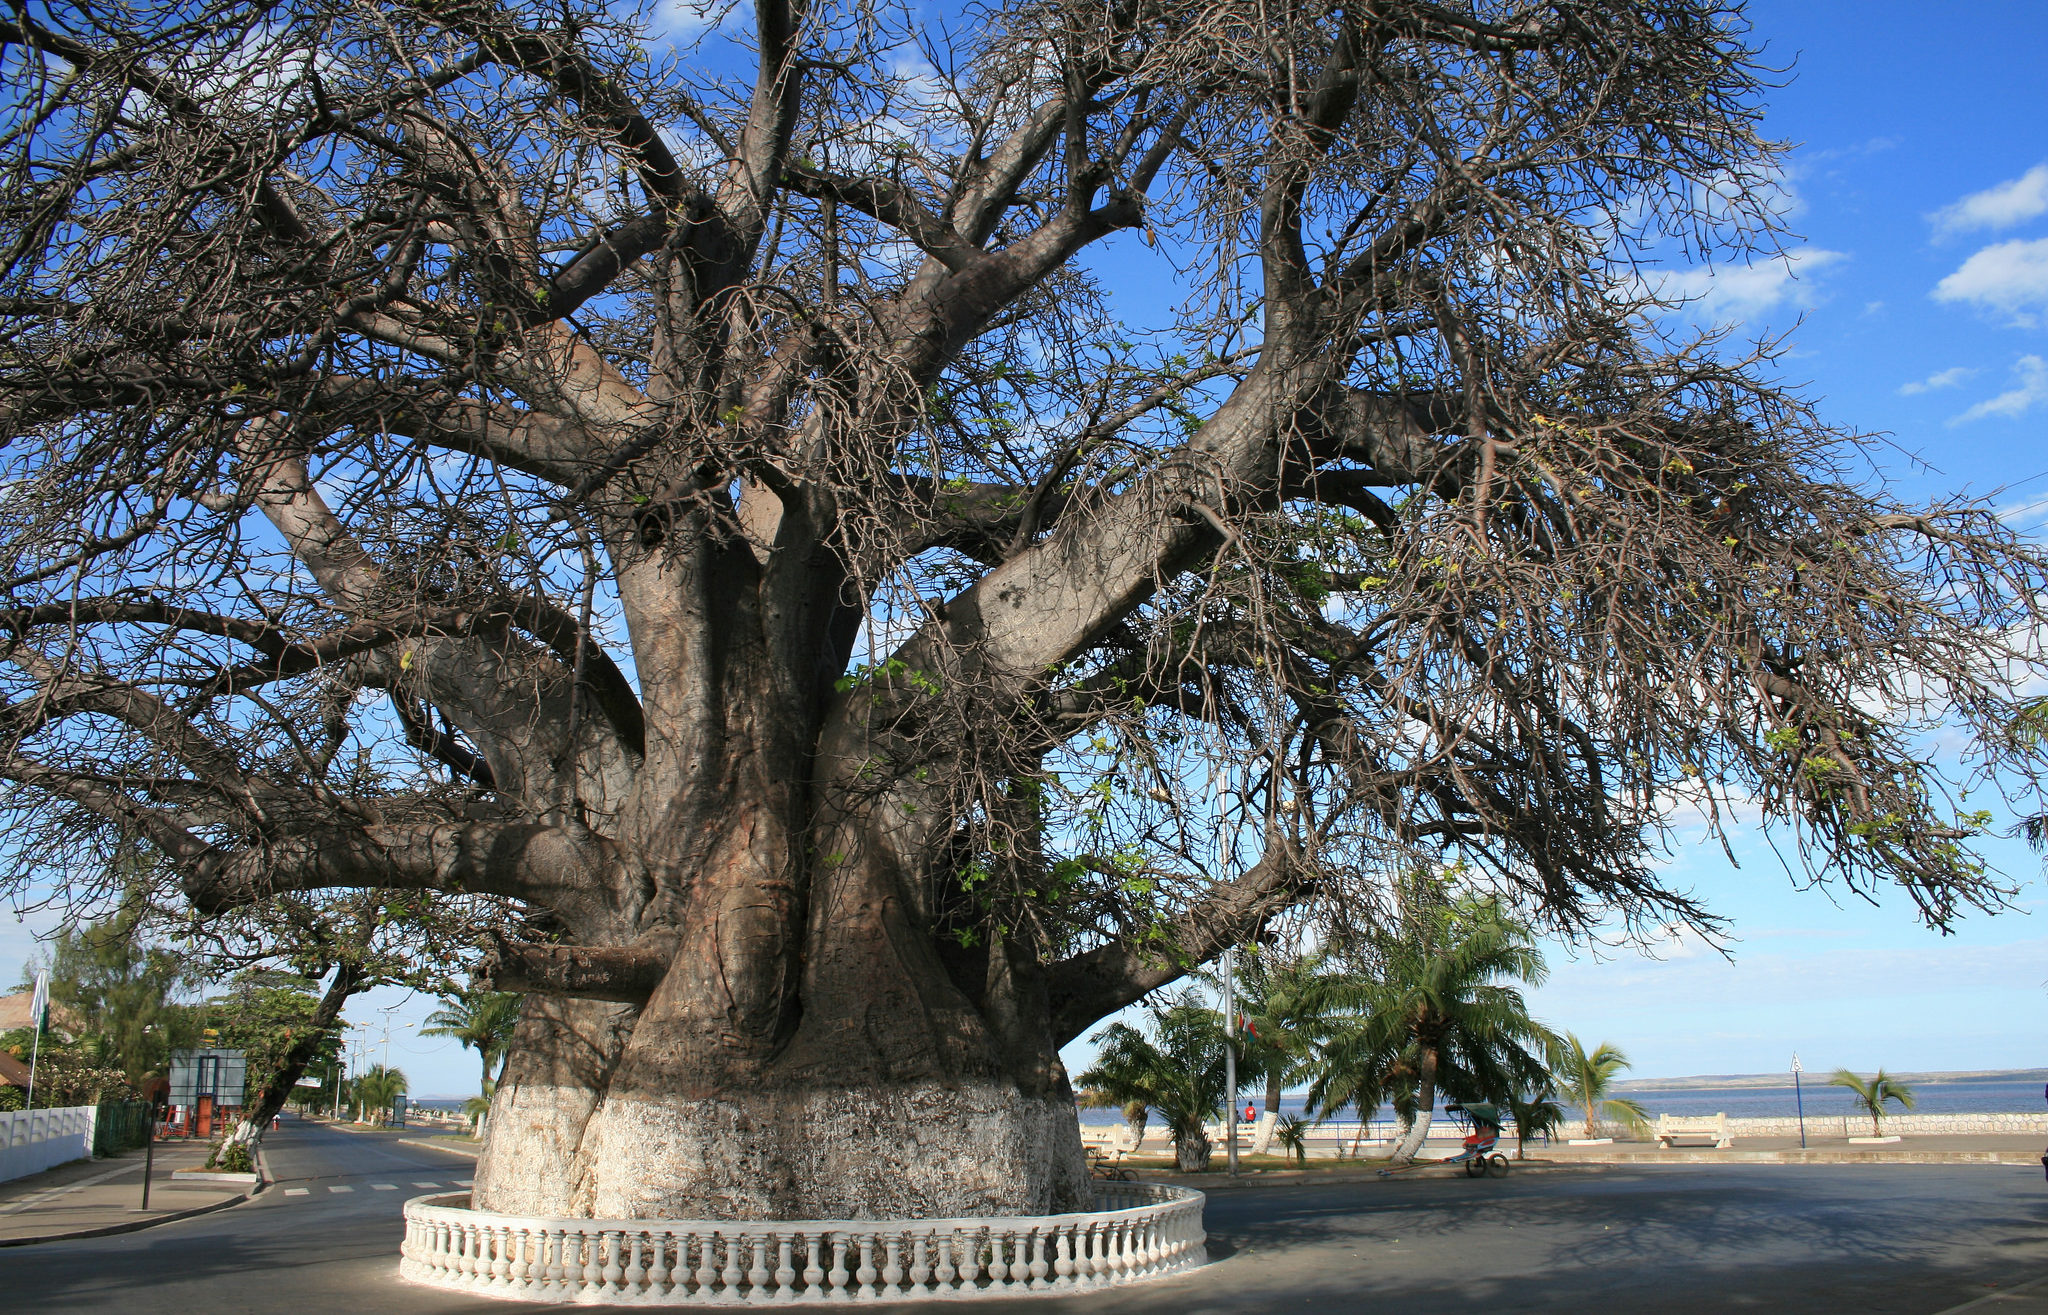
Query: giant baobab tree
[721, 504]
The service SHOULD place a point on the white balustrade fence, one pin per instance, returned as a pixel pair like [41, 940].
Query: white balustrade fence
[34, 1140]
[1137, 1231]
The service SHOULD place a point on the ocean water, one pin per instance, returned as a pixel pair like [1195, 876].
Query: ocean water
[1983, 1096]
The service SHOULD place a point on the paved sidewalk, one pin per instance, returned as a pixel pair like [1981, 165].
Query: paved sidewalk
[1265, 1171]
[2013, 1148]
[453, 1145]
[89, 1195]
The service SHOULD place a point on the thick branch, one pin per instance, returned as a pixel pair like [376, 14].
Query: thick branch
[627, 974]
[1092, 985]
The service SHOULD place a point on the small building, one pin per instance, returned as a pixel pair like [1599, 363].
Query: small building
[206, 1090]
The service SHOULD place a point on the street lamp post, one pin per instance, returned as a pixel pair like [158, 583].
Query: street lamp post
[1230, 1055]
[1798, 1094]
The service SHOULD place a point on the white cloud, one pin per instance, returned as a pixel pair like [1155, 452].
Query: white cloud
[2007, 276]
[2013, 201]
[685, 22]
[2030, 389]
[1945, 379]
[1739, 291]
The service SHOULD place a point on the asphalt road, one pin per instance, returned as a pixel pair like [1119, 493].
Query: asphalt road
[1857, 1238]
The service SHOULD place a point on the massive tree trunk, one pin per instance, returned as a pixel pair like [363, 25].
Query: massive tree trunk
[887, 1092]
[802, 1050]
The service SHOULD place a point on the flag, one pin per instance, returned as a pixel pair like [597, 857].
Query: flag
[1244, 1025]
[39, 1005]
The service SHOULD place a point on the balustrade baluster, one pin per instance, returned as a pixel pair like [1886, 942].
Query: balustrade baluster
[554, 1274]
[657, 1263]
[1040, 1267]
[920, 1261]
[731, 1275]
[785, 1276]
[839, 1275]
[866, 1272]
[757, 1274]
[970, 1259]
[1063, 1259]
[945, 1270]
[496, 1265]
[523, 1259]
[635, 1275]
[892, 1267]
[593, 1261]
[814, 1274]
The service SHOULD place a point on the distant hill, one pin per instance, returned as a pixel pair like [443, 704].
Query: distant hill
[1739, 1080]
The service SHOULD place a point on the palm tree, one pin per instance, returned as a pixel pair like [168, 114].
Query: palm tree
[1873, 1093]
[1585, 1078]
[482, 1020]
[1291, 1004]
[1178, 1071]
[1434, 1010]
[1292, 1133]
[1536, 1113]
[477, 1108]
[1136, 1113]
[379, 1088]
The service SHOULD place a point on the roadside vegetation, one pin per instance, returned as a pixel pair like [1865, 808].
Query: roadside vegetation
[1425, 1008]
[1874, 1093]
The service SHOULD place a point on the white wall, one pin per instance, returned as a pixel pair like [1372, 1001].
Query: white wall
[34, 1140]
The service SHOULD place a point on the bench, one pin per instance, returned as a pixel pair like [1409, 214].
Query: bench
[1714, 1128]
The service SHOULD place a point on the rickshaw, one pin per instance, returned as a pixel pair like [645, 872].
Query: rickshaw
[1479, 1156]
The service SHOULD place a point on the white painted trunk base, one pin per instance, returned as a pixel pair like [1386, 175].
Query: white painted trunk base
[1413, 1137]
[860, 1153]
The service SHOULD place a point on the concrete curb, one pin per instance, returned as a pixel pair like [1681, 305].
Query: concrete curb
[436, 1146]
[219, 1176]
[133, 1226]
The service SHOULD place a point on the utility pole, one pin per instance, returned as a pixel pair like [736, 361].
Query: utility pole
[1229, 1018]
[1230, 1054]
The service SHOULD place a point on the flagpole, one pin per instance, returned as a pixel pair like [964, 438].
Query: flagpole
[39, 1012]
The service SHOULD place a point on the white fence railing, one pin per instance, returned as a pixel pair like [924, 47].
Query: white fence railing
[34, 1140]
[1138, 1231]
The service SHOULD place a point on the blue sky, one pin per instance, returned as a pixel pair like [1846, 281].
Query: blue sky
[1916, 295]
